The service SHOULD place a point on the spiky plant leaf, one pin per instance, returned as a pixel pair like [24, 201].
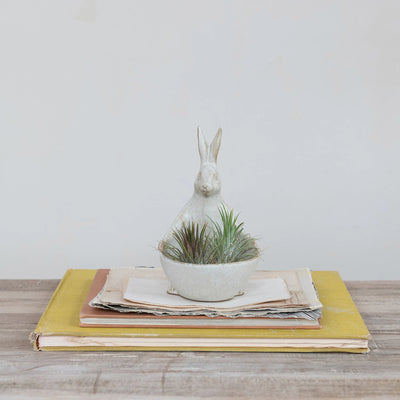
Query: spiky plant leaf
[223, 242]
[192, 244]
[230, 242]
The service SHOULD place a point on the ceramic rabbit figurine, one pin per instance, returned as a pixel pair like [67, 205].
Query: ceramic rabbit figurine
[206, 199]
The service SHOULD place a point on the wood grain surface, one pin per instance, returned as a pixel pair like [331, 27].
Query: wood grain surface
[195, 375]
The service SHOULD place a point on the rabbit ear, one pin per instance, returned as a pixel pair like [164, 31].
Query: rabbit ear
[214, 147]
[203, 146]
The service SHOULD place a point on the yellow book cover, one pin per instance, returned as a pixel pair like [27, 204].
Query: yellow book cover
[342, 329]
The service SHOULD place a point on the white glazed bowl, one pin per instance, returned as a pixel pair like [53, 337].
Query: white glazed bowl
[208, 282]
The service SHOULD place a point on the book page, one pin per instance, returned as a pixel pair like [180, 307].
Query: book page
[153, 292]
[303, 302]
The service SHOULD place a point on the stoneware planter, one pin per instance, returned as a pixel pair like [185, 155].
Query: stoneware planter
[208, 282]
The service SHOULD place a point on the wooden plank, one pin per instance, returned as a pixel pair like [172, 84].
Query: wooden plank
[29, 284]
[210, 375]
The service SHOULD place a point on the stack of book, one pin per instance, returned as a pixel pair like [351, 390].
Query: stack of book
[135, 309]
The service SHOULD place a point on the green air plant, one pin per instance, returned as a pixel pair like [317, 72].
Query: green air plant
[219, 243]
[229, 241]
[192, 244]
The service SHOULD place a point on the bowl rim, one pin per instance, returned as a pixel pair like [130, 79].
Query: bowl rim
[163, 256]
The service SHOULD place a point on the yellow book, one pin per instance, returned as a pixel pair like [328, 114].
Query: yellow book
[343, 329]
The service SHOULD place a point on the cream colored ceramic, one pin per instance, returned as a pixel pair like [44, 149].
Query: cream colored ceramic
[206, 199]
[208, 282]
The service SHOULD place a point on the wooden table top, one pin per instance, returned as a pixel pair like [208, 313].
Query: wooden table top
[25, 373]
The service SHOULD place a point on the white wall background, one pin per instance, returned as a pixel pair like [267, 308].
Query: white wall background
[99, 102]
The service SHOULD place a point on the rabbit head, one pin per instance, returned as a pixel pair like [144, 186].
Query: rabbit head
[207, 182]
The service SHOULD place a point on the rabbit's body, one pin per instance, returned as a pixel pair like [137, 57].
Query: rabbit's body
[206, 200]
[198, 210]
